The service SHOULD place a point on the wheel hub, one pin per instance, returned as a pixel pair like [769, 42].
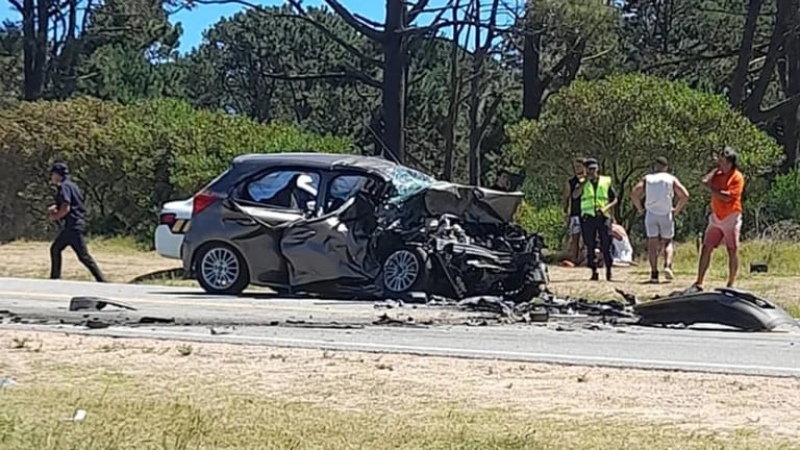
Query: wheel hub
[400, 271]
[220, 267]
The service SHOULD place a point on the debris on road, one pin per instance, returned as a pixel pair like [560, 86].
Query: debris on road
[7, 382]
[725, 306]
[95, 304]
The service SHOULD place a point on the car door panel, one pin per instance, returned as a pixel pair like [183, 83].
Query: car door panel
[336, 246]
[258, 229]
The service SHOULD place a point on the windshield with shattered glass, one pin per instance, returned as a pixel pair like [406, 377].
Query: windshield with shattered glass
[408, 182]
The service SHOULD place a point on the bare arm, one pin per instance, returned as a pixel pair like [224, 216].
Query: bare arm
[576, 193]
[683, 196]
[565, 198]
[636, 196]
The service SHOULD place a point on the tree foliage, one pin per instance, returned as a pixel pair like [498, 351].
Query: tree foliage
[128, 159]
[625, 122]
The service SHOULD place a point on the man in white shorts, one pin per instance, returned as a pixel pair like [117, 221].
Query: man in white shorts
[572, 209]
[659, 188]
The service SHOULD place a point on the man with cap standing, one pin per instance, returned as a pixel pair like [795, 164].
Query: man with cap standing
[659, 188]
[597, 198]
[726, 184]
[69, 210]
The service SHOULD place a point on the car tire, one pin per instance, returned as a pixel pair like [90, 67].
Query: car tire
[405, 270]
[221, 270]
[533, 286]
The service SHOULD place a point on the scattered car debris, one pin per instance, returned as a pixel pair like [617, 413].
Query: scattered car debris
[7, 382]
[408, 322]
[95, 304]
[331, 325]
[146, 320]
[96, 324]
[725, 306]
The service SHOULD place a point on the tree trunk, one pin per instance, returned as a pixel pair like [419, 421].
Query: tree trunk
[34, 30]
[532, 90]
[476, 103]
[455, 89]
[394, 76]
[736, 95]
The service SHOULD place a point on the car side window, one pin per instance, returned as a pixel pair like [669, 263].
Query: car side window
[342, 188]
[285, 189]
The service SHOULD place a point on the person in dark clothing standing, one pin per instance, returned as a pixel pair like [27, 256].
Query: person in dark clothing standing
[572, 209]
[69, 211]
[597, 198]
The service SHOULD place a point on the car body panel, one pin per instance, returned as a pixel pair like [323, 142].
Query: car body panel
[726, 306]
[360, 208]
[168, 239]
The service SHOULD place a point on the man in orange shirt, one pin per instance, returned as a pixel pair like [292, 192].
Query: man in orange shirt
[726, 184]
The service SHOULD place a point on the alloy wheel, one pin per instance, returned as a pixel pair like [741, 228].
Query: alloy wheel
[400, 271]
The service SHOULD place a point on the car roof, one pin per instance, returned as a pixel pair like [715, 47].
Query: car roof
[320, 161]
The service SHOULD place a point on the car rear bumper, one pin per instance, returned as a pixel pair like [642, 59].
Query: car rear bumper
[168, 244]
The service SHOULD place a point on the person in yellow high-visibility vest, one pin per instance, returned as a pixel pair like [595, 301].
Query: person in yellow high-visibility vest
[597, 199]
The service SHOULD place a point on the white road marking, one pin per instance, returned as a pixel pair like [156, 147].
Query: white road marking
[426, 350]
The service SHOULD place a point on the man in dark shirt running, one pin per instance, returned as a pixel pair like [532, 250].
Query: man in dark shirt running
[69, 211]
[597, 200]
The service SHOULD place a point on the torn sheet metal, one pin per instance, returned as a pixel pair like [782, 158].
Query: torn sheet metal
[472, 204]
[460, 237]
[333, 249]
[95, 304]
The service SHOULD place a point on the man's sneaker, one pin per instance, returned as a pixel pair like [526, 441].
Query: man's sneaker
[654, 278]
[668, 273]
[694, 288]
[608, 273]
[595, 277]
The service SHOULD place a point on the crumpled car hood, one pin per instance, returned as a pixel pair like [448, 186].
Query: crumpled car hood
[470, 203]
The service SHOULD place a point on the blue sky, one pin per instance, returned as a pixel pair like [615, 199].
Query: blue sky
[204, 16]
[200, 18]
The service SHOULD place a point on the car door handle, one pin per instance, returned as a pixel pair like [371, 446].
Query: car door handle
[241, 221]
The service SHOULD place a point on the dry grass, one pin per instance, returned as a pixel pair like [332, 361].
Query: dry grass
[143, 394]
[119, 259]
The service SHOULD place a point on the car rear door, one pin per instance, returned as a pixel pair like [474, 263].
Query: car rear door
[261, 207]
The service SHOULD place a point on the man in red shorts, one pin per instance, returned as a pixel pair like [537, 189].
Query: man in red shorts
[726, 184]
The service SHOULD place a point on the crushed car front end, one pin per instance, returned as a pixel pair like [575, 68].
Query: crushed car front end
[465, 239]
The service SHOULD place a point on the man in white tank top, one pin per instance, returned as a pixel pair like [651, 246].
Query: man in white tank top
[659, 188]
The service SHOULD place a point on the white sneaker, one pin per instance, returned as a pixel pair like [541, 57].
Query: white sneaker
[668, 274]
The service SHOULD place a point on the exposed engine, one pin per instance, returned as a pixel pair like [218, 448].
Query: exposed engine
[480, 259]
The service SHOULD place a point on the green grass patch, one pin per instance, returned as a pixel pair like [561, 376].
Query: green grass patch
[783, 259]
[133, 413]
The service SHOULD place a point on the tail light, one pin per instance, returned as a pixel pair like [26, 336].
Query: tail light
[167, 219]
[202, 201]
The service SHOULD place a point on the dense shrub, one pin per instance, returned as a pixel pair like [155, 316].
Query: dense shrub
[128, 159]
[547, 221]
[625, 122]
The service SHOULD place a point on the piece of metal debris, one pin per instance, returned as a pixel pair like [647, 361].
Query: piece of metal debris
[95, 304]
[156, 320]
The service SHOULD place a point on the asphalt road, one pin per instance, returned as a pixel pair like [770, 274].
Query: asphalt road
[337, 325]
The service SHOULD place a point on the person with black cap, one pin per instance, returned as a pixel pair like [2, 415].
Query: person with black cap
[659, 189]
[69, 211]
[597, 199]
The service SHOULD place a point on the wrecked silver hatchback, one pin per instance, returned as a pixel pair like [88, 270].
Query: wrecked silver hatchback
[358, 227]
